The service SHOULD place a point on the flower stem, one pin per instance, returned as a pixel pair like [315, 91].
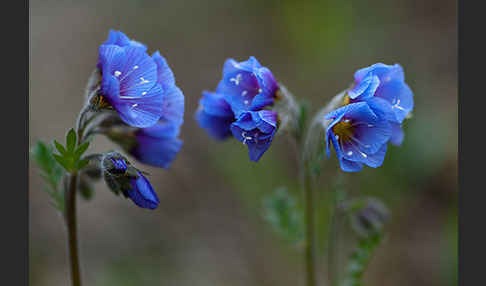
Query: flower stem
[309, 226]
[332, 242]
[70, 215]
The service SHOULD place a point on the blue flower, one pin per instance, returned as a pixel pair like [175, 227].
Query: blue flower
[247, 86]
[122, 177]
[383, 87]
[239, 106]
[157, 145]
[256, 130]
[358, 135]
[215, 115]
[141, 88]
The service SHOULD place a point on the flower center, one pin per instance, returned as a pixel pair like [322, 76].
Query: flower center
[343, 129]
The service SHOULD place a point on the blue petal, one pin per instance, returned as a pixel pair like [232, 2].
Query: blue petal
[110, 56]
[173, 105]
[359, 111]
[376, 160]
[399, 95]
[397, 134]
[218, 127]
[138, 74]
[381, 108]
[256, 147]
[266, 120]
[245, 121]
[120, 39]
[256, 150]
[350, 166]
[141, 111]
[157, 146]
[165, 75]
[382, 71]
[142, 193]
[366, 88]
[369, 136]
[214, 104]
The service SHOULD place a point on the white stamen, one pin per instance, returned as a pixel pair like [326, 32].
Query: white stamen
[397, 105]
[370, 125]
[350, 153]
[142, 80]
[134, 105]
[117, 73]
[237, 79]
[246, 102]
[346, 120]
[135, 67]
[245, 138]
[244, 93]
[144, 93]
[260, 90]
[364, 155]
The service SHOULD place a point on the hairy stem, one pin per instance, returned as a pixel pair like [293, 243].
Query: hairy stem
[70, 215]
[309, 227]
[332, 242]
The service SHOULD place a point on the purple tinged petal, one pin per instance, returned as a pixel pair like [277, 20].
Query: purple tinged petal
[142, 193]
[214, 104]
[217, 127]
[157, 145]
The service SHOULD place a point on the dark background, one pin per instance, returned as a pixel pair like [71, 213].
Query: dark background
[208, 229]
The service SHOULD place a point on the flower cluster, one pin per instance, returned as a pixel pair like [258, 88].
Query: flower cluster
[370, 116]
[149, 110]
[240, 106]
[142, 89]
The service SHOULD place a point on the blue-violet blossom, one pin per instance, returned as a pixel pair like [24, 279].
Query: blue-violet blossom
[383, 87]
[132, 82]
[238, 106]
[358, 135]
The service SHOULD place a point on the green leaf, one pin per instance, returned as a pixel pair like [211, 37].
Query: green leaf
[71, 140]
[63, 162]
[51, 172]
[60, 148]
[360, 259]
[81, 149]
[282, 212]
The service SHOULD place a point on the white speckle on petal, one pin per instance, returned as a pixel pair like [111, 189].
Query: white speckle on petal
[244, 93]
[350, 153]
[144, 93]
[134, 105]
[135, 67]
[117, 73]
[246, 102]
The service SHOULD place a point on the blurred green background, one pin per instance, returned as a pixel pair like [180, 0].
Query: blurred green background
[208, 229]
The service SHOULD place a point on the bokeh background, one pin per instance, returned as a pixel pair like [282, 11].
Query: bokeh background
[208, 229]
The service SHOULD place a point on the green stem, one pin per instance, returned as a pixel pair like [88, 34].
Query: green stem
[70, 215]
[332, 243]
[309, 226]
